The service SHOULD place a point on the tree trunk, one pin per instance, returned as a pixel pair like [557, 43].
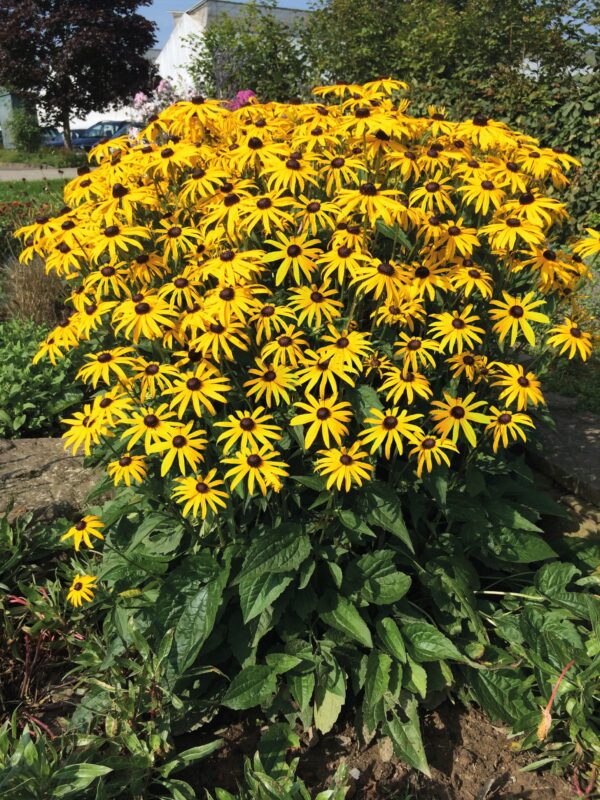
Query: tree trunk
[67, 130]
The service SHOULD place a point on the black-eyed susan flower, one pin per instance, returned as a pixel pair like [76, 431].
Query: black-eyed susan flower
[514, 314]
[248, 430]
[287, 348]
[270, 319]
[471, 278]
[85, 428]
[322, 371]
[342, 262]
[199, 493]
[346, 346]
[118, 240]
[295, 254]
[82, 589]
[219, 339]
[415, 351]
[149, 424]
[143, 315]
[507, 426]
[274, 382]
[405, 383]
[430, 451]
[371, 201]
[344, 466]
[181, 445]
[569, 337]
[377, 278]
[463, 363]
[269, 212]
[106, 364]
[506, 233]
[326, 417]
[434, 196]
[454, 415]
[518, 386]
[456, 330]
[128, 468]
[259, 467]
[482, 194]
[314, 303]
[201, 388]
[153, 377]
[588, 246]
[81, 531]
[389, 428]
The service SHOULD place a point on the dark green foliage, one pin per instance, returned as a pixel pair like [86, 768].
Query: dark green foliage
[253, 50]
[26, 130]
[33, 397]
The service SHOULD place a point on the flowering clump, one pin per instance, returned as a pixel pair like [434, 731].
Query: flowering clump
[310, 290]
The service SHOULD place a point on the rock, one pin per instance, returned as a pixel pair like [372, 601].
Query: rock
[39, 477]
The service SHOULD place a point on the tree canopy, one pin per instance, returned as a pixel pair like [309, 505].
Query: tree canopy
[70, 57]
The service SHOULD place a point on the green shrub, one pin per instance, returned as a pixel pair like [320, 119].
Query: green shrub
[26, 130]
[32, 396]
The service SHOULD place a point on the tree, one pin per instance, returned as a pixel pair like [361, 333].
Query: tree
[74, 56]
[253, 50]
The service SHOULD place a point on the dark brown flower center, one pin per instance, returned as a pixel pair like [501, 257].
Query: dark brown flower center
[293, 163]
[142, 308]
[454, 230]
[151, 420]
[227, 294]
[202, 488]
[432, 186]
[267, 311]
[414, 344]
[151, 369]
[193, 384]
[385, 268]
[346, 460]
[457, 412]
[513, 222]
[285, 341]
[254, 461]
[107, 272]
[428, 443]
[231, 200]
[316, 297]
[516, 311]
[323, 413]
[474, 273]
[390, 422]
[167, 152]
[368, 189]
[78, 586]
[313, 207]
[421, 272]
[458, 323]
[576, 332]
[179, 441]
[294, 251]
[264, 203]
[468, 360]
[254, 143]
[344, 252]
[216, 327]
[338, 162]
[269, 375]
[104, 358]
[125, 461]
[487, 185]
[549, 255]
[504, 418]
[180, 283]
[247, 424]
[111, 231]
[227, 255]
[523, 381]
[81, 525]
[342, 342]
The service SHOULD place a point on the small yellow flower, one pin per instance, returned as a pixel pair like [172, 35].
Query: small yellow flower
[81, 589]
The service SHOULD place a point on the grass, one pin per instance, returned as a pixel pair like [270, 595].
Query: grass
[55, 157]
[43, 191]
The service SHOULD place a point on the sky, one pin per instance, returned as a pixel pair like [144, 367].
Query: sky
[160, 10]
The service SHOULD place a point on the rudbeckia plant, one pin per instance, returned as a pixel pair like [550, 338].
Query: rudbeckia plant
[315, 340]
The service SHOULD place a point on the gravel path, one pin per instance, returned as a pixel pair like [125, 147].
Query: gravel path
[18, 173]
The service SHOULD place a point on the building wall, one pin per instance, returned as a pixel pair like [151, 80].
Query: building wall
[8, 103]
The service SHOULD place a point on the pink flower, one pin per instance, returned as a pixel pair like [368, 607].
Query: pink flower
[242, 98]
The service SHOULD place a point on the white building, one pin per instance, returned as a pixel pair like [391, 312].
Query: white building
[173, 59]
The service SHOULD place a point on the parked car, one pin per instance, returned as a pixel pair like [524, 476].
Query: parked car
[49, 133]
[58, 140]
[86, 138]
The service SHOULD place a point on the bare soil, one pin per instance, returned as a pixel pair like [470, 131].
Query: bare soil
[470, 759]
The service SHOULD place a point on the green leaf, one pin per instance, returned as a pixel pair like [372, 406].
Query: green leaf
[363, 400]
[259, 591]
[73, 778]
[406, 737]
[330, 695]
[253, 686]
[551, 581]
[385, 510]
[187, 757]
[518, 547]
[383, 584]
[280, 550]
[343, 616]
[428, 643]
[376, 684]
[416, 678]
[273, 746]
[391, 638]
[302, 688]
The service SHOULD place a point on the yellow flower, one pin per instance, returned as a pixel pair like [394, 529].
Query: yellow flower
[514, 314]
[128, 468]
[183, 444]
[326, 417]
[199, 493]
[313, 303]
[81, 589]
[455, 415]
[258, 466]
[569, 336]
[200, 388]
[518, 386]
[296, 254]
[456, 330]
[248, 429]
[430, 451]
[389, 427]
[398, 383]
[589, 245]
[90, 525]
[287, 348]
[272, 381]
[344, 466]
[505, 424]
